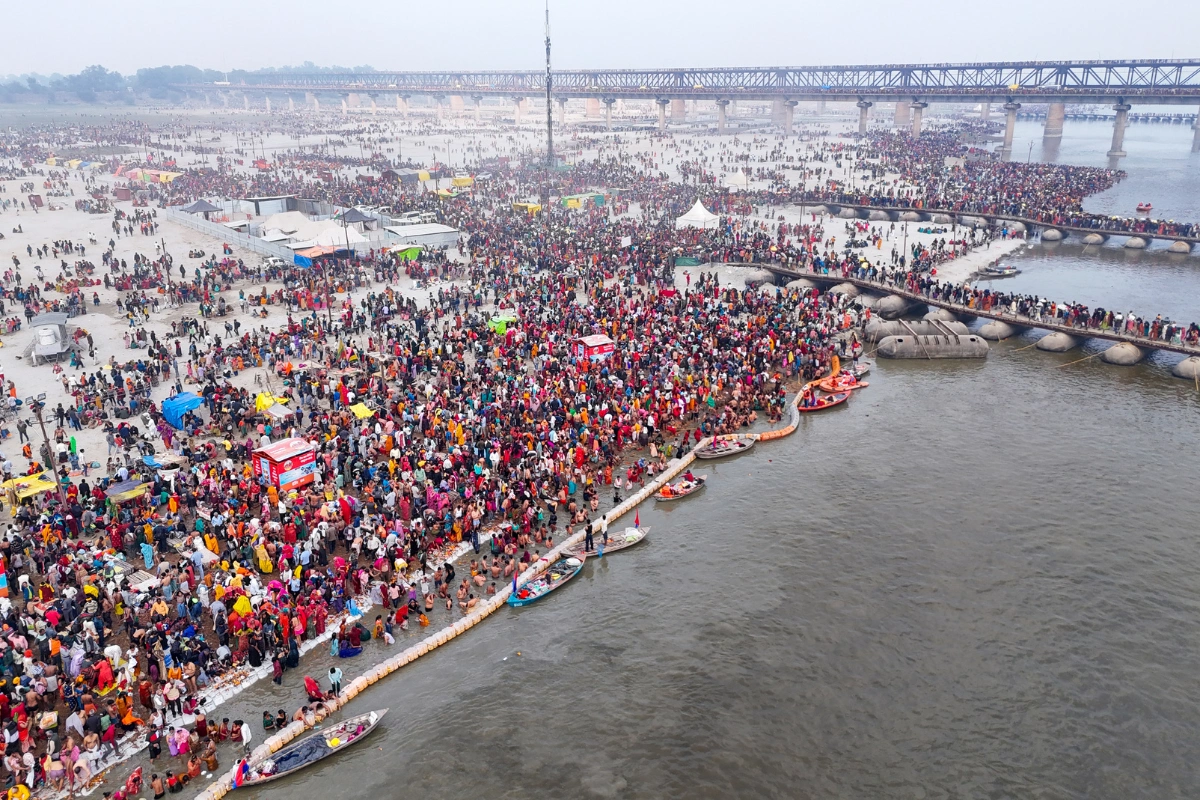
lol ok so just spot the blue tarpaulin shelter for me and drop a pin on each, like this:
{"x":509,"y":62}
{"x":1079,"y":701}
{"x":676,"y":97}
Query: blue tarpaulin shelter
{"x":173,"y":408}
{"x":301,"y":261}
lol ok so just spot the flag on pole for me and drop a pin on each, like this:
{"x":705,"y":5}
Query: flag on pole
{"x":637,"y":519}
{"x":239,"y":774}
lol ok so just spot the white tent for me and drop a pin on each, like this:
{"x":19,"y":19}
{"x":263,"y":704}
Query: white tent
{"x":335,"y":236}
{"x":698,"y":217}
{"x":738,"y":180}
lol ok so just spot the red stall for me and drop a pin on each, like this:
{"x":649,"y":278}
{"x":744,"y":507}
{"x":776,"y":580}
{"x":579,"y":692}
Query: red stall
{"x":596,"y":347}
{"x":287,"y":464}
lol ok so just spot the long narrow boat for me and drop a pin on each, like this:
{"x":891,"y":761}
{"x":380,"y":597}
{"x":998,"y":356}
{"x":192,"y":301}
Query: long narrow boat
{"x":680,"y":490}
{"x":725,"y":447}
{"x":823,"y":403}
{"x":307,"y":751}
{"x":616,"y":541}
{"x":553,"y":578}
{"x":845,"y":382}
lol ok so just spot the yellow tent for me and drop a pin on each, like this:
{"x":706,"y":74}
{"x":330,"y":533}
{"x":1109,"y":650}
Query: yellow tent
{"x":466,"y":181}
{"x":423,"y":175}
{"x":265,"y":400}
{"x":74,"y":162}
{"x":361,"y":411}
{"x":27,"y":486}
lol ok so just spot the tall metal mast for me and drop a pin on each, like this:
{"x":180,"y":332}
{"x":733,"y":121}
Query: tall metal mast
{"x":549,"y":120}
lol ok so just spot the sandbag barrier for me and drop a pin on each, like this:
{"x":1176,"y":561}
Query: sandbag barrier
{"x":222,"y":786}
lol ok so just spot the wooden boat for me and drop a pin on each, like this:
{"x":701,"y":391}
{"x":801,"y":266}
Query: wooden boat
{"x":553,"y":578}
{"x":845,"y":382}
{"x":859,"y":369}
{"x":726,"y":447}
{"x":309,"y":750}
{"x":681,"y":489}
{"x":829,"y":401}
{"x":1000,"y":271}
{"x":618,"y":541}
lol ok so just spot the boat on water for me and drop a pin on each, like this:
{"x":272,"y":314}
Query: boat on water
{"x":1000,"y":271}
{"x":725,"y":447}
{"x":828,"y":401}
{"x":859,"y":369}
{"x":845,"y":382}
{"x":680,"y":489}
{"x":553,"y":578}
{"x":307,"y":751}
{"x":618,"y":541}
{"x":1145,"y":208}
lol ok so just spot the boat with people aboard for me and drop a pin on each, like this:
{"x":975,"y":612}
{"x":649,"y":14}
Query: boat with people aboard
{"x":843,"y":382}
{"x":306,"y":752}
{"x":690,"y":484}
{"x":719,"y":448}
{"x":1145,"y":208}
{"x":616,"y":541}
{"x":999,"y":271}
{"x":819,"y":403}
{"x":553,"y":578}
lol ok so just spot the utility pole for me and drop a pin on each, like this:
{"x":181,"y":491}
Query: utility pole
{"x":549,"y":125}
{"x":36,"y":405}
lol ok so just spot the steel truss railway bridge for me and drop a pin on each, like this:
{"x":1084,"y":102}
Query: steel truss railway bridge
{"x":910,"y":87}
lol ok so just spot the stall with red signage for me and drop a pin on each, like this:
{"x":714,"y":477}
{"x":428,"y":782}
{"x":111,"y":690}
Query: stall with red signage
{"x":287,"y":464}
{"x":596,"y":347}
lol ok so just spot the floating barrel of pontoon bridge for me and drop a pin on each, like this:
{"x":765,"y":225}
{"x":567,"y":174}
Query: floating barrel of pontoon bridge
{"x":928,"y":347}
{"x":878,"y":329}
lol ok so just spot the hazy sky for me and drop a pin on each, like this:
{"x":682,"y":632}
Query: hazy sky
{"x":476,"y":34}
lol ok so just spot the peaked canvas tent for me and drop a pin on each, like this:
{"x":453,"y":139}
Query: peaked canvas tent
{"x":698,"y":217}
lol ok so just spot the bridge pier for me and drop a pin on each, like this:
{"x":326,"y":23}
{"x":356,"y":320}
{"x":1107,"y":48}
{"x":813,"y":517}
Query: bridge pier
{"x":662,"y":113}
{"x":722,"y":111}
{"x":562,"y":112}
{"x":789,"y":116}
{"x":1055,"y":116}
{"x":903,"y":113}
{"x":518,"y":109}
{"x":985,"y":111}
{"x":678,"y":110}
{"x":478,"y":100}
{"x":246,"y":102}
{"x":591,"y":108}
{"x":609,"y":102}
{"x":291,"y":103}
{"x":402,"y":104}
{"x":1010,"y":123}
{"x":345,"y":105}
{"x":456,"y":103}
{"x":1196,"y":135}
{"x":918,"y":110}
{"x":374,"y":105}
{"x":777,"y":112}
{"x":1118,"y":140}
{"x":268,"y":104}
{"x":864,"y":112}
{"x":316,"y":104}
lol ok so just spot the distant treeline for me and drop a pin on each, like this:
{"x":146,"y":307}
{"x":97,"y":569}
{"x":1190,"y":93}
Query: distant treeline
{"x":99,"y":85}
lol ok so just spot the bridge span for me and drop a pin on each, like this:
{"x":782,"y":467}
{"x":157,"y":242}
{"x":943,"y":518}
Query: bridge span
{"x":910,"y":87}
{"x":1017,"y":321}
{"x":1051,"y":231}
